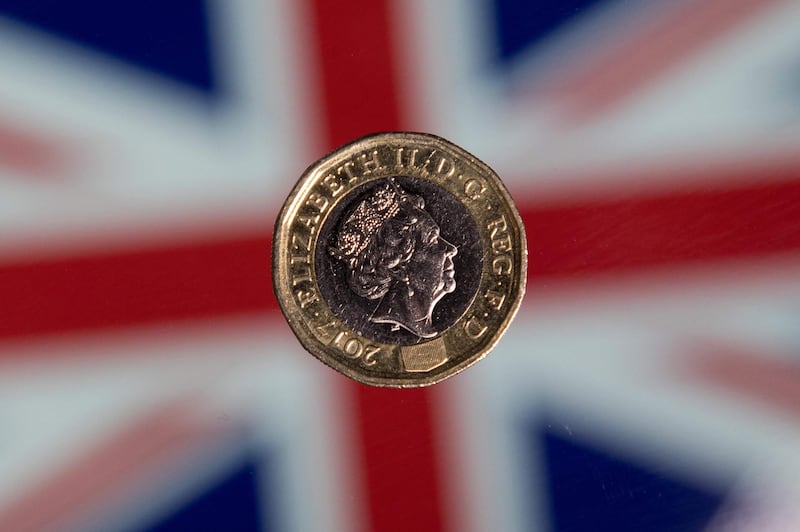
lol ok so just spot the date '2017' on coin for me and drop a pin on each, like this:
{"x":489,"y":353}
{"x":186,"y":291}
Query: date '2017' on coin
{"x":399,"y":259}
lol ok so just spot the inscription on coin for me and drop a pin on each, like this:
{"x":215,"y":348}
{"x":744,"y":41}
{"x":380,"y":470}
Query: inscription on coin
{"x":399,"y":259}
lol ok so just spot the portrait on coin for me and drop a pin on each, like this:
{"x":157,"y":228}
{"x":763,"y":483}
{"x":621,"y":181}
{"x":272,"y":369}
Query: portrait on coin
{"x":385,"y":259}
{"x":395,"y":255}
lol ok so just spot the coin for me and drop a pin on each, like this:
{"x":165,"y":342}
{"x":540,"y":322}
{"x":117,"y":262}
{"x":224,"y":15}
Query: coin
{"x":399,"y":259}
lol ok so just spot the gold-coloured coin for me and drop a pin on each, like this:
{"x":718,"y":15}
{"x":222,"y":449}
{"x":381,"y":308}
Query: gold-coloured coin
{"x":399,"y":259}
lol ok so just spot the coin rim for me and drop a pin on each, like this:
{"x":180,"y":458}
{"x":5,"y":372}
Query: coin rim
{"x":293,"y":314}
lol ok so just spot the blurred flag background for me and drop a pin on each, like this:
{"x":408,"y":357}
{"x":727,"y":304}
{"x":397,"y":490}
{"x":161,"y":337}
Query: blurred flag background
{"x":651,"y":381}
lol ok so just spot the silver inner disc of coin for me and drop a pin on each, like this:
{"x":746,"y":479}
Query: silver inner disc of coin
{"x":399,"y":260}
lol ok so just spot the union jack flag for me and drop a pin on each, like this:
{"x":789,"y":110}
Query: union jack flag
{"x":650,"y":383}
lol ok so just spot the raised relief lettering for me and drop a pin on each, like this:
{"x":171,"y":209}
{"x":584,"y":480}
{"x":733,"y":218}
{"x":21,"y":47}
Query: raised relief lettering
{"x":502,"y":265}
{"x":407,"y":159}
{"x":445,"y":167}
{"x":371,"y":164}
{"x":300,"y":259}
{"x":427,"y":162}
{"x":301,"y":242}
{"x":354,"y":348}
{"x":370,"y":354}
{"x":473,"y":188}
{"x":309,"y":221}
{"x":347,"y":169}
{"x":333,"y":184}
{"x":411,"y":158}
{"x":304,"y":275}
{"x":497,"y":227}
{"x":501,"y":246}
{"x":326,"y":330}
{"x":474,"y":328}
{"x":317,"y":201}
{"x":306,"y":297}
{"x":301,"y":270}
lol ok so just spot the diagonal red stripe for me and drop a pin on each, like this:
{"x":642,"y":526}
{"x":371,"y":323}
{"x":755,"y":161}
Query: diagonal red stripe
{"x":653,"y":51}
{"x":750,"y":375}
{"x":83,"y":485}
{"x":398,"y":457}
{"x":26,"y":152}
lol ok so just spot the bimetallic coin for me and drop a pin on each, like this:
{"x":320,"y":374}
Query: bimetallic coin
{"x":399,"y":259}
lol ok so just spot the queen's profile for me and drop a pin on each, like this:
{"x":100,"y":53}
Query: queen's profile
{"x":395,"y":255}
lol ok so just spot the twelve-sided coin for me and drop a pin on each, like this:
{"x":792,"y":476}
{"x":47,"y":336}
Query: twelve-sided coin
{"x":399,"y":259}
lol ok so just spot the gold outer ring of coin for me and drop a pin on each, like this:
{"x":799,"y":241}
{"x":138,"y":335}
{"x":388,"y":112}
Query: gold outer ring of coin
{"x":319,"y":205}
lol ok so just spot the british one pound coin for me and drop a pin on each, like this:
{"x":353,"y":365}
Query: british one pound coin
{"x":399,"y":259}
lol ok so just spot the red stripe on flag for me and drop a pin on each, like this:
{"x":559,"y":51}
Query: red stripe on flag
{"x":653,"y":51}
{"x":112,"y":290}
{"x":763,"y":379}
{"x":106,"y":470}
{"x":400,"y":467}
{"x":400,"y":459}
{"x":566,"y":241}
{"x":357,"y":68}
{"x":682,"y":227}
{"x":26,"y":152}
